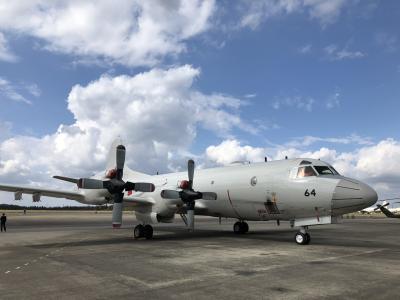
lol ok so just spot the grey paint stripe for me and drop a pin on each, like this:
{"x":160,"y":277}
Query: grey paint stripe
{"x":350,"y":188}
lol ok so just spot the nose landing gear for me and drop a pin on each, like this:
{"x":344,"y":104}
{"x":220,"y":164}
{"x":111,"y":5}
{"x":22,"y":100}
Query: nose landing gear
{"x":302,"y":237}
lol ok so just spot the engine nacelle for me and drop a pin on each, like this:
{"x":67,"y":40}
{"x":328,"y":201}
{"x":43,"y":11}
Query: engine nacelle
{"x":153,"y":218}
{"x":147,"y":218}
{"x":18,"y":195}
{"x":36,"y":197}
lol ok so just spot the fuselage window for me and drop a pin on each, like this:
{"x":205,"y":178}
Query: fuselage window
{"x":305,"y":172}
{"x":323,"y":170}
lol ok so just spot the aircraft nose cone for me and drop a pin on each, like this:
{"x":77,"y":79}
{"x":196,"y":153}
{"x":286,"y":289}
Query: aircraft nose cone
{"x":352,"y":195}
{"x":368,"y":194}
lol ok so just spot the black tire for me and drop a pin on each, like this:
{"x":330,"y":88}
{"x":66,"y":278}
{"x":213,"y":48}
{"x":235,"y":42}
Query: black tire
{"x":237,"y":227}
{"x":308,"y":238}
{"x":301,"y":238}
{"x":138,"y":231}
{"x":148,"y":232}
{"x":245,"y":227}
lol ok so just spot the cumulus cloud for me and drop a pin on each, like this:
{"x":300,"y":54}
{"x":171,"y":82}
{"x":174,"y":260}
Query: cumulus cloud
{"x":5,"y":52}
{"x":377,"y":163}
{"x":156,"y":113}
{"x":257,"y":11}
{"x":134,"y":33}
{"x":231,"y":150}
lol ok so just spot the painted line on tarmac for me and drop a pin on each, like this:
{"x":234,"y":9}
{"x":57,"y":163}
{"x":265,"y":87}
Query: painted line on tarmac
{"x":17,"y":268}
{"x":6,"y":272}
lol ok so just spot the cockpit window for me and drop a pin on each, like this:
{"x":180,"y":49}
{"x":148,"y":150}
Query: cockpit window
{"x":305,"y":172}
{"x":324,"y":170}
{"x":334,"y":170}
{"x":305,"y":162}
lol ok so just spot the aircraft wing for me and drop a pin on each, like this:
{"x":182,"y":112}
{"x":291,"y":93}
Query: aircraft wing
{"x":135,"y":200}
{"x":37,"y":192}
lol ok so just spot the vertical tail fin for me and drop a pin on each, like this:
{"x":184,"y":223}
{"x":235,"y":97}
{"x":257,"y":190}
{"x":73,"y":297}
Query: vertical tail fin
{"x":111,"y":162}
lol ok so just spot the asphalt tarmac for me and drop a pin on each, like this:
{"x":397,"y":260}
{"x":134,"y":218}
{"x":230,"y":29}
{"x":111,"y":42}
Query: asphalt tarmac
{"x":77,"y":255}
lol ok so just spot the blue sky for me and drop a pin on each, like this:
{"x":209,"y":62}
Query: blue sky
{"x":317,"y":78}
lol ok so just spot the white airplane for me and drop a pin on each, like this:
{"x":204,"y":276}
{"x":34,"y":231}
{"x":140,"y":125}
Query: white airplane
{"x":305,"y":192}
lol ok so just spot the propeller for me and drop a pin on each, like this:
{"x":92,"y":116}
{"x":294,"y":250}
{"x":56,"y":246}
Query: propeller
{"x":378,"y":206}
{"x":116,"y":186}
{"x":385,"y":203}
{"x":188,"y":195}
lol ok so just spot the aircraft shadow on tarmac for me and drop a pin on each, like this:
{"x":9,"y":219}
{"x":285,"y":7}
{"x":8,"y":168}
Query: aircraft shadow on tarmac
{"x":326,"y":237}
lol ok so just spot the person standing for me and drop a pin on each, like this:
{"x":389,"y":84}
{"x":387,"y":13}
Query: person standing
{"x":3,"y":220}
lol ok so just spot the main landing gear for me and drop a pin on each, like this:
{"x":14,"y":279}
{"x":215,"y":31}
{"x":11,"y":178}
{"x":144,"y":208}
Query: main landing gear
{"x":145,"y":231}
{"x":240,"y":227}
{"x":302,"y":237}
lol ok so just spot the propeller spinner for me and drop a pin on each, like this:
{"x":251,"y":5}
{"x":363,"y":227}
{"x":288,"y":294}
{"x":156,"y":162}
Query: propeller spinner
{"x":188,"y":195}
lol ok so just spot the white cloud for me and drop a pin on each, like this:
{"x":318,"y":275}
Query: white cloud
{"x":231,"y":150}
{"x":5,"y":52}
{"x":305,"y":49}
{"x":306,"y":141}
{"x":16,"y":91}
{"x":334,"y":53}
{"x":33,"y":89}
{"x":257,"y":11}
{"x":296,"y":102}
{"x":333,"y":101}
{"x":10,"y":91}
{"x":376,"y":164}
{"x":156,"y":113}
{"x":134,"y":33}
{"x":5,"y":130}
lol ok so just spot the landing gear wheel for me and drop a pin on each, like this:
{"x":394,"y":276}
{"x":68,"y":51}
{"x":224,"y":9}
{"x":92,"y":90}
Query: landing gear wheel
{"x":138,"y":231}
{"x":240,"y":227}
{"x":237,"y":227}
{"x":308,"y":238}
{"x":245,"y":227}
{"x":148,"y":232}
{"x":302,"y":238}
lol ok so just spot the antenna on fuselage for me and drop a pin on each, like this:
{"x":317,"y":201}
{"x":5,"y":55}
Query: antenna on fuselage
{"x":265,"y":159}
{"x":286,"y":157}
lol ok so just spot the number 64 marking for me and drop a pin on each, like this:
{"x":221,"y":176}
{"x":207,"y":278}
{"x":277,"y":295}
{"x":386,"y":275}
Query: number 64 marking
{"x":307,"y":193}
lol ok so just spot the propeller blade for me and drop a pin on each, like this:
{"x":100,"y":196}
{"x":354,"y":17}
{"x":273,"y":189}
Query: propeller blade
{"x":139,"y":186}
{"x":190,"y":172}
{"x":209,"y":196}
{"x":170,"y":194}
{"x":69,"y":179}
{"x":120,"y":161}
{"x":190,"y":214}
{"x":117,"y":210}
{"x":190,"y":219}
{"x":89,"y":183}
{"x":120,"y":157}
